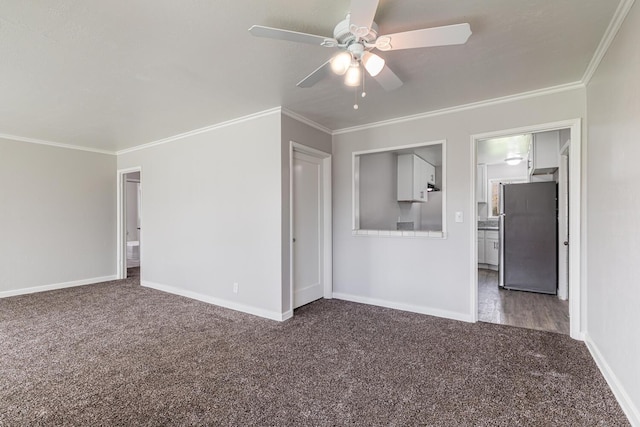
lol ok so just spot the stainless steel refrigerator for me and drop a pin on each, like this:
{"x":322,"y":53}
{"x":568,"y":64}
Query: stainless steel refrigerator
{"x":529,"y":237}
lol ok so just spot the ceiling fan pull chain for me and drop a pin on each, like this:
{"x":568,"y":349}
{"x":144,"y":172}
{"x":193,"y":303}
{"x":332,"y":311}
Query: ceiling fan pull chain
{"x":355,"y":92}
{"x":363,"y":76}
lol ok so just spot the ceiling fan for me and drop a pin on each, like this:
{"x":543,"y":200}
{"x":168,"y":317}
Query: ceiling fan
{"x":356,"y":37}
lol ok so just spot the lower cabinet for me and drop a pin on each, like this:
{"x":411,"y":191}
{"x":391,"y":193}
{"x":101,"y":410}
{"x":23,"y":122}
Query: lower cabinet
{"x":480,"y":246}
{"x":488,"y":249}
{"x":491,"y":248}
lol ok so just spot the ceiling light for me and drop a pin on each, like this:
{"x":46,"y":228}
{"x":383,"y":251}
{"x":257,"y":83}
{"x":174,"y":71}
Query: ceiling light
{"x":340,"y":63}
{"x":513,"y":159}
{"x":352,"y":78}
{"x":373,"y":63}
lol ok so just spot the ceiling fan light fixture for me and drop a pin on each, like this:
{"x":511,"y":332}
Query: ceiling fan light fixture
{"x":340,"y":63}
{"x":513,"y":159}
{"x":373,"y":63}
{"x":353,"y":76}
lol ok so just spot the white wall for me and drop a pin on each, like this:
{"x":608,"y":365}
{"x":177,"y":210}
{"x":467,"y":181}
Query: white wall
{"x":233,"y":223}
{"x":421,"y":274}
{"x":57,"y":210}
{"x":211,"y":215}
{"x":378,"y":205}
{"x":613,"y":205}
{"x":293,"y":130}
{"x":431,"y":212}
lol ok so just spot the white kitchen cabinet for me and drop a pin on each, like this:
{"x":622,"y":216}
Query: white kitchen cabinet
{"x":544,"y":154}
{"x":481,"y":247}
{"x":481,"y":183}
{"x":431,"y":173}
{"x":491,"y":248}
{"x":413,"y":178}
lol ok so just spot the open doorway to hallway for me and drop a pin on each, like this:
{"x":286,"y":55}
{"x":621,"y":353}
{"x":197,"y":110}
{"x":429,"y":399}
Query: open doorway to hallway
{"x":132,"y":221}
{"x":522,"y":196}
{"x":129,"y":223}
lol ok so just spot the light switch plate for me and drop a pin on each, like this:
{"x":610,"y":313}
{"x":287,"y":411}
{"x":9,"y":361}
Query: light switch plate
{"x":459,"y":217}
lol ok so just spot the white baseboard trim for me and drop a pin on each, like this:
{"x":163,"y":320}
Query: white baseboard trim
{"x":53,"y":287}
{"x":272,"y":315}
{"x":627,"y":405}
{"x":405,"y":307}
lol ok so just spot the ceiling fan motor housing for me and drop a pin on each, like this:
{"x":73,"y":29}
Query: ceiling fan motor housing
{"x":343,"y":34}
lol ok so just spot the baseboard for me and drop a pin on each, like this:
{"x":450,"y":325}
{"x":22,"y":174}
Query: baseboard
{"x":267,"y":314}
{"x":630,"y":410}
{"x":405,"y":307}
{"x":488,"y":267}
{"x":53,"y":287}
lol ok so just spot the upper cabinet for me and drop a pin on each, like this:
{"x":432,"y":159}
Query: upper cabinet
{"x":431,"y":173}
{"x":544,"y":154}
{"x":481,"y":184}
{"x":414,"y":177}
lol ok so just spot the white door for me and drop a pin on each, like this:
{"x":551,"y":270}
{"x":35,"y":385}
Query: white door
{"x":307,"y":229}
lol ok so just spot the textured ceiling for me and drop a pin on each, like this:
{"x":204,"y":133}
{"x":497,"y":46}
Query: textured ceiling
{"x":119,"y":73}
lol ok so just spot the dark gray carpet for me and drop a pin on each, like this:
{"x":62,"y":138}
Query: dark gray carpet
{"x":120,"y":354}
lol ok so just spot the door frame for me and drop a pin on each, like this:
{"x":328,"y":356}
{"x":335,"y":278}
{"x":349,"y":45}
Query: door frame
{"x":577,"y":212}
{"x":327,"y":243}
{"x":563,"y":229}
{"x":121,"y":222}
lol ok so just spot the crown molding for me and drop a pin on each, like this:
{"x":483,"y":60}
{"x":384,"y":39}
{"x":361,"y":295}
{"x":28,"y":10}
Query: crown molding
{"x":200,"y":130}
{"x":465,"y":107}
{"x":614,"y":26}
{"x":54,"y":144}
{"x":306,"y":121}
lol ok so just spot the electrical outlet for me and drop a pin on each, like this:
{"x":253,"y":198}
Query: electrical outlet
{"x":235,"y":287}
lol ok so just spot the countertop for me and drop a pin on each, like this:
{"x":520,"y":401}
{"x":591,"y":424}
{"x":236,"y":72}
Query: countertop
{"x":488,"y":224}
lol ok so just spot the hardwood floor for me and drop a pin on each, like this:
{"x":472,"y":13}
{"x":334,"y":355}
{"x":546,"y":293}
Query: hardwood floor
{"x":518,"y":308}
{"x":133,"y":272}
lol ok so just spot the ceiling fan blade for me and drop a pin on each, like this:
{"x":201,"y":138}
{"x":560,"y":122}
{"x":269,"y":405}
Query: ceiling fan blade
{"x":428,"y":37}
{"x":292,"y":36}
{"x":388,"y":79}
{"x":362,"y":13}
{"x":319,"y":73}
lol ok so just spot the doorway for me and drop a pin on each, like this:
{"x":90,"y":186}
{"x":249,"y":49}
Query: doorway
{"x":129,"y":223}
{"x":484,"y":293}
{"x":310,"y":228}
{"x":563,"y":224}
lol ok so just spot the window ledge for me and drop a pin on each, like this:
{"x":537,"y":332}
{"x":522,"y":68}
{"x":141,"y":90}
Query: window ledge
{"x":401,"y":233}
